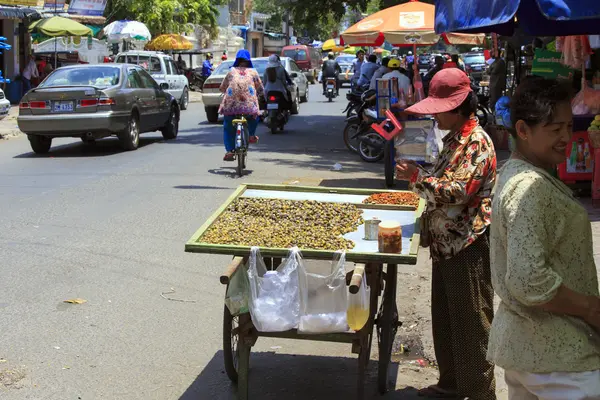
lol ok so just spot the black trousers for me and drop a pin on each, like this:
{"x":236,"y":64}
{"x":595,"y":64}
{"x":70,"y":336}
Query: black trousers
{"x":337,"y":84}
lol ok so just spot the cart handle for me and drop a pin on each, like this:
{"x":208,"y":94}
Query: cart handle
{"x":231,"y":268}
{"x":357,"y":277}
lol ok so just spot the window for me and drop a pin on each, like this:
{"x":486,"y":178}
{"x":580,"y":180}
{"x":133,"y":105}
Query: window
{"x":147,"y":81}
{"x":174,"y":68}
{"x":295,"y":54}
{"x":260,"y":66}
{"x":133,"y":79}
{"x":474,"y":59}
{"x":155,"y":65}
{"x":97,"y":76}
{"x":294,"y":67}
{"x":169,"y":69}
{"x":224,"y":68}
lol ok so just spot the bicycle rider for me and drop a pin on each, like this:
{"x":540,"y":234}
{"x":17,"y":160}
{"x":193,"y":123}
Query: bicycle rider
{"x":241,"y":89}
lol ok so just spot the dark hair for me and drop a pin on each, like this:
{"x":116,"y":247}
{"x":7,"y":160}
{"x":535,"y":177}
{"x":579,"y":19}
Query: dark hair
{"x":439,"y":60}
{"x":454,"y":58}
{"x":373,"y":58}
{"x":468,"y":106}
{"x":272,"y":74}
{"x":385,"y":61}
{"x":330,"y":56}
{"x":535,"y":100}
{"x":360,"y":51}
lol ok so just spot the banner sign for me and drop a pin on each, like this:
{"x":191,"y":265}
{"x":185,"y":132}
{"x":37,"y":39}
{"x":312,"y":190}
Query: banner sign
{"x":547,"y":64}
{"x":54,"y":4}
{"x":87,"y":7}
{"x":27,"y":3}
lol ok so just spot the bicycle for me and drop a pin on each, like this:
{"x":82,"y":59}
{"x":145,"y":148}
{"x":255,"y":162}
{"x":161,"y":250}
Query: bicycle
{"x":241,"y":143}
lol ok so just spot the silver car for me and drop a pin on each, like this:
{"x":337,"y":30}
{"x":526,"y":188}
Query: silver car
{"x":97,"y":101}
{"x":211,"y":95}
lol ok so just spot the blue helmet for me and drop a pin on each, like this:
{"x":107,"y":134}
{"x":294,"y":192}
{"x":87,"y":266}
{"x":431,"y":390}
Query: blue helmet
{"x":242,"y":54}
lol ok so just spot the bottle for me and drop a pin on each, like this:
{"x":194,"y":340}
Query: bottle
{"x":588,"y":157}
{"x":390,"y":237}
{"x":580,"y":158}
{"x":573,"y":156}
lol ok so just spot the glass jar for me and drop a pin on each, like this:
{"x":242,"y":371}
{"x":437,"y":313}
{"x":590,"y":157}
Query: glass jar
{"x":390,"y":237}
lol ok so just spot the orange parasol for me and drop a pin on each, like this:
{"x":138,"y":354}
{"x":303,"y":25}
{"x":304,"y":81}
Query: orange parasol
{"x":409,"y":24}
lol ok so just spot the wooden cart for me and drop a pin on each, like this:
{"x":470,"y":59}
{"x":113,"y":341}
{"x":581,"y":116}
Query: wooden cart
{"x":239,"y":334}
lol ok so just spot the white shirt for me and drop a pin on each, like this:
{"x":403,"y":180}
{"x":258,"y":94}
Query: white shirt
{"x":31,"y":71}
{"x":403,"y":81}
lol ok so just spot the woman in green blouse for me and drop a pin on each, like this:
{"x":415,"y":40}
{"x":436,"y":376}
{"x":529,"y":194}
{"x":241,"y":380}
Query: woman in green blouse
{"x":546,"y":333}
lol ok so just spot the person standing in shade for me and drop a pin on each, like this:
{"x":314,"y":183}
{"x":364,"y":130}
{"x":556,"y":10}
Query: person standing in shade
{"x":497,"y":71}
{"x":381,"y":71}
{"x":458,"y":192}
{"x":356,"y":66}
{"x":546,"y":334}
{"x":30,"y":71}
{"x":367,"y":70}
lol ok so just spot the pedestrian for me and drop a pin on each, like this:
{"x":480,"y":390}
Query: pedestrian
{"x":181,"y":64}
{"x":546,"y":334}
{"x":207,"y":66}
{"x":397,"y":72}
{"x":224,"y":56}
{"x":458,"y":193}
{"x":438,"y":66}
{"x":30,"y":71}
{"x":381,"y":71}
{"x":497,"y":71}
{"x":367,"y":70}
{"x":241,"y":88}
{"x":356,"y":66}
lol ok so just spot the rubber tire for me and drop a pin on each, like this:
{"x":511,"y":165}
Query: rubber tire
{"x":273,"y":129}
{"x":40,"y":144}
{"x":185,"y":99}
{"x":304,"y":99}
{"x":364,"y":157}
{"x":212,"y":114}
{"x":230,"y":366}
{"x":347,"y":133}
{"x":171,"y":130}
{"x":388,"y":158}
{"x":125,"y":137}
{"x":241,"y":164}
{"x":386,"y":337}
{"x":88,"y":141}
{"x":296,"y":105}
{"x":330,"y":99}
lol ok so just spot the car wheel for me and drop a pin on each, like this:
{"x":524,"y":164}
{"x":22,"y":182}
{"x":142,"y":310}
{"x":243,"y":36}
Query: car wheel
{"x":185,"y":99}
{"x":296,"y":104}
{"x":40,"y":144}
{"x":88,"y":140}
{"x":212,"y":114}
{"x":304,"y":98}
{"x":171,"y":130}
{"x":130,"y":137}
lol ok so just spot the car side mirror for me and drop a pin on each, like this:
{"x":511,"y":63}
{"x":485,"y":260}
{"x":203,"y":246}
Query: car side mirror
{"x":294,"y":75}
{"x":164,"y":86}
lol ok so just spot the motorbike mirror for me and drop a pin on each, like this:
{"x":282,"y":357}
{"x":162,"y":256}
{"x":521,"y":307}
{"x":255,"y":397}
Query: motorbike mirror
{"x":294,"y":75}
{"x":164,"y":86}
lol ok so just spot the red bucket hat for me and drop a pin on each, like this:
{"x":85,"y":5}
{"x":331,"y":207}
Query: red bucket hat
{"x":447,"y":90}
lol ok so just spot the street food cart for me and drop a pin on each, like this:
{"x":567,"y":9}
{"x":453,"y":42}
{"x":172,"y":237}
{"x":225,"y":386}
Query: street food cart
{"x":239,"y":332}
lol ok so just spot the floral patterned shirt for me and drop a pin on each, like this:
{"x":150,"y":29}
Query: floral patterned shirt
{"x":458,"y":190}
{"x":241,"y":88}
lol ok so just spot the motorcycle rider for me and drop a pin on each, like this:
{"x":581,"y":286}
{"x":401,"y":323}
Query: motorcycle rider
{"x":331,"y":69}
{"x":277,"y":79}
{"x":403,"y":82}
{"x":367,"y":70}
{"x":380,"y":72}
{"x":207,"y":66}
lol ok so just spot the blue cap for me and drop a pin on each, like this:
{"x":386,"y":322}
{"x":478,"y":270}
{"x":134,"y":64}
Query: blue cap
{"x":242,"y":54}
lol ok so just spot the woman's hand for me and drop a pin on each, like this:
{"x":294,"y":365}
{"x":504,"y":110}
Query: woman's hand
{"x":405,"y":169}
{"x":593,"y":315}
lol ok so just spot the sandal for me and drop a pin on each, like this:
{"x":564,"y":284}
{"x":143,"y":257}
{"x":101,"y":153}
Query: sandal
{"x":229,"y":156}
{"x":436,"y":392}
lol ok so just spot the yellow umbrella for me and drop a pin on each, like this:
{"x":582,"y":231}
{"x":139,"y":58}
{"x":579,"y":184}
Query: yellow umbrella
{"x":169,"y":42}
{"x":333,"y":45}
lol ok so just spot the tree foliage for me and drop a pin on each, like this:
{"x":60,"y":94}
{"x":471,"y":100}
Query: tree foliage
{"x":166,"y":16}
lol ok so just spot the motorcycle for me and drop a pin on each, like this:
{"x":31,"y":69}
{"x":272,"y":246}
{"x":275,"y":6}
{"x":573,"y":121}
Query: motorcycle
{"x":371,"y":147}
{"x":359,"y":121}
{"x":330,"y":86}
{"x":277,"y":114}
{"x":195,"y":79}
{"x":354,"y":98}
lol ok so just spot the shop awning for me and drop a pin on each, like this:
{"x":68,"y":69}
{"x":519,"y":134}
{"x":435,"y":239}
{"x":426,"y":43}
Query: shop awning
{"x":18,"y":12}
{"x":534,"y":17}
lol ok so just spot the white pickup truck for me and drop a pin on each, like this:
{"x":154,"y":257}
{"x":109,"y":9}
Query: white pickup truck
{"x":163,"y":69}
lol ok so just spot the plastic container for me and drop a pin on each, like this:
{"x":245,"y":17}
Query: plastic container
{"x":390,"y":237}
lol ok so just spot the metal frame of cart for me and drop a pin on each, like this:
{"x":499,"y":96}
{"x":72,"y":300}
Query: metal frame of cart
{"x":239,"y":334}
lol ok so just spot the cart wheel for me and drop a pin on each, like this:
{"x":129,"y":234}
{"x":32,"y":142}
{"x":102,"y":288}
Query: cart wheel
{"x":230,"y":344}
{"x":387,"y":326}
{"x":388,"y":157}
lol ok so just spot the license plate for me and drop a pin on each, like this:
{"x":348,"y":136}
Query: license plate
{"x":272,"y":106}
{"x":63,"y":106}
{"x":330,"y":86}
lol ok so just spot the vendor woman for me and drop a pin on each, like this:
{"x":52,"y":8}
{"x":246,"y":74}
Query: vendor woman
{"x":458,"y":198}
{"x":546,"y":334}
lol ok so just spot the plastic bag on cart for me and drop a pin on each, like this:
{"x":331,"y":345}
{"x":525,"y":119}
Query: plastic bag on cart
{"x":238,"y":291}
{"x":359,"y":306}
{"x":587,"y":101}
{"x":324,"y":298}
{"x":274,"y":304}
{"x":416,"y":141}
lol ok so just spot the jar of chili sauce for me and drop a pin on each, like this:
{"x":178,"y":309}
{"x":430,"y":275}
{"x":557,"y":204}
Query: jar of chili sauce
{"x":390,"y":237}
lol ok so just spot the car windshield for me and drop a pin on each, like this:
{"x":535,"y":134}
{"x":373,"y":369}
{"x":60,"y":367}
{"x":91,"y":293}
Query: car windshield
{"x":260,"y":66}
{"x":150,"y":64}
{"x":424,"y":59}
{"x":223,"y":69}
{"x":101,"y":76}
{"x":344,"y":60}
{"x":474,"y":59}
{"x":295,"y":54}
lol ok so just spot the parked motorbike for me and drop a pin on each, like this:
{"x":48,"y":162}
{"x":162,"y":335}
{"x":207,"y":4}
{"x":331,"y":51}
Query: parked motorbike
{"x":278,"y":114}
{"x":330,"y":89}
{"x":354,"y":98}
{"x":359,"y":122}
{"x":371,"y":145}
{"x":195,"y":79}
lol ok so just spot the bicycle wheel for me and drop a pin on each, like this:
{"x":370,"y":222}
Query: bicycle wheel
{"x":240,"y":163}
{"x":230,"y":345}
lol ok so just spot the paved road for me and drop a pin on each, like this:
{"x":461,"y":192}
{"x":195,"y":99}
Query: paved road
{"x":108,"y":226}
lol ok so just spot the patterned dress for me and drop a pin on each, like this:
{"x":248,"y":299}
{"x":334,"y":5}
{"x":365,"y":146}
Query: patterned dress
{"x":241,"y":88}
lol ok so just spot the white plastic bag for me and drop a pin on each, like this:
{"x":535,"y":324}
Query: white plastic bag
{"x":359,"y":306}
{"x":324,"y":299}
{"x":412,"y":143}
{"x":238,"y":292}
{"x":274,"y":304}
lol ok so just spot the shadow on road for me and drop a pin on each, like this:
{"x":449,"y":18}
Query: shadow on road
{"x":229,"y":172}
{"x":293,"y":377}
{"x":200,"y":187}
{"x":100,"y":148}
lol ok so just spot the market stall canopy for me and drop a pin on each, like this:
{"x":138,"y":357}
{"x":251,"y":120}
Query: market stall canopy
{"x":118,"y":31}
{"x":406,"y":24}
{"x":333,"y":45}
{"x":59,"y":26}
{"x":534,"y":17}
{"x":351,"y":50}
{"x":169,"y":42}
